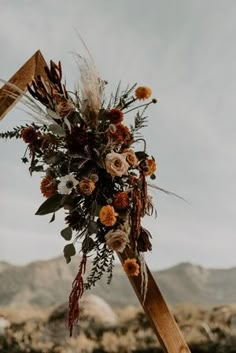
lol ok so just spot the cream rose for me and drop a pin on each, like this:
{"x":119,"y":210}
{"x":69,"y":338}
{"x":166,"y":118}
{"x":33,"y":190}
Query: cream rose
{"x":116,"y":164}
{"x":130,"y":156}
{"x":117,"y":240}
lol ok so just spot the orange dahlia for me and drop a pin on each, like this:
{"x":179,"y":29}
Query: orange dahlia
{"x":121,"y":200}
{"x":108,"y":215}
{"x":151,"y":167}
{"x":48,"y":186}
{"x":143,"y":92}
{"x":131,"y":267}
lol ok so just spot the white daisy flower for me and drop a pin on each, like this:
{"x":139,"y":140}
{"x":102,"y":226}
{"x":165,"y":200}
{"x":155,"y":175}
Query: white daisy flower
{"x":66,"y":184}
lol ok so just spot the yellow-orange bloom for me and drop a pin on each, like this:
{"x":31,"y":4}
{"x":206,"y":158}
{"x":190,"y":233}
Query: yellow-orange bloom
{"x":131,"y":267}
{"x":143,"y":92}
{"x":48,"y":186}
{"x":151,"y":165}
{"x":108,"y":216}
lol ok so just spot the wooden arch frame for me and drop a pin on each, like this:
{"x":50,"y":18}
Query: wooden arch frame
{"x":155,"y":307}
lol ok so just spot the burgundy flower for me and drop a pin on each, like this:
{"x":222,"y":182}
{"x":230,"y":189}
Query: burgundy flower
{"x":74,"y":220}
{"x":29,"y":134}
{"x":115,"y":116}
{"x":76,"y":139}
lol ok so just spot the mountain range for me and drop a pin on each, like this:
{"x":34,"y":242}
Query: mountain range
{"x":48,"y":283}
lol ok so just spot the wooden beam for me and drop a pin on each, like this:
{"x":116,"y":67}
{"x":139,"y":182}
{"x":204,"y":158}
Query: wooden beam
{"x":33,"y":67}
{"x":158,"y":313}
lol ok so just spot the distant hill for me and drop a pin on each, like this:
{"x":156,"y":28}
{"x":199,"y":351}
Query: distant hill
{"x":47,"y":283}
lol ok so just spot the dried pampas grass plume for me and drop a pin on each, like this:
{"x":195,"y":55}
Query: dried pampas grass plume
{"x":91,"y":88}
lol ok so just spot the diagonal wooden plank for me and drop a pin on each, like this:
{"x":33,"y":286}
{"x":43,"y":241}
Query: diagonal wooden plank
{"x":155,"y":307}
{"x":158,"y":313}
{"x":33,"y":67}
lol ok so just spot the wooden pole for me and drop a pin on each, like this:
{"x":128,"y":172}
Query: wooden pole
{"x":157,"y":311}
{"x":33,"y":67}
{"x":155,"y":307}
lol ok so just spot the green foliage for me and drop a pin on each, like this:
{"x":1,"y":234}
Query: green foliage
{"x":15,"y":133}
{"x":52,"y":204}
{"x":102,"y":262}
{"x":69,"y":251}
{"x":66,"y":233}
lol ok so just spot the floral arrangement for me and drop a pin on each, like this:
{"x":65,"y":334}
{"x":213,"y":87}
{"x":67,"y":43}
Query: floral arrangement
{"x":90,"y":167}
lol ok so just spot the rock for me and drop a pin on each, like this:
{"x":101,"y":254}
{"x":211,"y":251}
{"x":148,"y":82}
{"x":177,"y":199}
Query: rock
{"x":4,"y":323}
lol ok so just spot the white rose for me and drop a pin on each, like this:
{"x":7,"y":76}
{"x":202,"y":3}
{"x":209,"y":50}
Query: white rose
{"x":116,"y":164}
{"x":130,"y":156}
{"x":117,"y":240}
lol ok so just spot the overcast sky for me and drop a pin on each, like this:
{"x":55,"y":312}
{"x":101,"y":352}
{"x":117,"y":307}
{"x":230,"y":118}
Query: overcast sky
{"x":185,"y":51}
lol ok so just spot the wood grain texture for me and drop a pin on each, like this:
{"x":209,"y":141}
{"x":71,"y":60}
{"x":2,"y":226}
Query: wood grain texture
{"x":158,"y":313}
{"x":155,"y":307}
{"x":33,"y":67}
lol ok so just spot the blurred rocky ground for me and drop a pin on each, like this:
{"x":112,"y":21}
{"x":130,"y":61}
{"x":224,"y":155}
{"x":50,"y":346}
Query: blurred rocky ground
{"x":103,"y":329}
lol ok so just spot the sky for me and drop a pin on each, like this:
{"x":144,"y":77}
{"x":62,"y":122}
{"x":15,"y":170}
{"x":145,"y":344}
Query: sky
{"x":185,"y":51}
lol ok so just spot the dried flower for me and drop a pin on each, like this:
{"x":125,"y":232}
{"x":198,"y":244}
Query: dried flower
{"x":130,"y":157}
{"x":131,"y":267}
{"x":116,"y":164}
{"x":115,"y":116}
{"x":108,"y":215}
{"x":122,"y":135}
{"x":94,"y":177}
{"x":151,"y":167}
{"x":86,"y":186}
{"x":65,"y":108}
{"x":117,"y":239}
{"x":67,"y":183}
{"x":143,"y":92}
{"x":121,"y":200}
{"x":29,"y":134}
{"x":112,"y":128}
{"x":48,"y":186}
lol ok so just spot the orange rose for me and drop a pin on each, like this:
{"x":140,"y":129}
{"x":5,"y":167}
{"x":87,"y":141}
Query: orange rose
{"x":86,"y":186}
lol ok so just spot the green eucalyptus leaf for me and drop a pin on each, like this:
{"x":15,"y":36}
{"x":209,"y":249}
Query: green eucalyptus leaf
{"x":69,"y":250}
{"x":57,"y":129}
{"x":52,"y":204}
{"x":88,"y":245}
{"x":92,"y":227}
{"x":66,"y":233}
{"x":141,"y":155}
{"x":53,"y":218}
